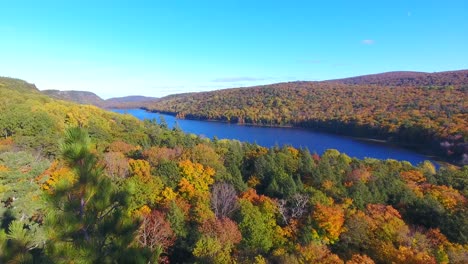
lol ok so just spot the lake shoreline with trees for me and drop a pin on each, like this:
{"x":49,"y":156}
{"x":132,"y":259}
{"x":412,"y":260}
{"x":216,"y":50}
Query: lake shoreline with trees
{"x":428,"y":152}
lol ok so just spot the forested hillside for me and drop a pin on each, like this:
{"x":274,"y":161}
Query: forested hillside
{"x":79,"y":184}
{"x":406,"y":78}
{"x":89,"y":98}
{"x":81,"y":97}
{"x":429,"y":118}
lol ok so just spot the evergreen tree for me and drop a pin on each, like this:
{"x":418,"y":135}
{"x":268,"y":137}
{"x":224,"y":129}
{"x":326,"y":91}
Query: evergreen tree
{"x":89,"y":223}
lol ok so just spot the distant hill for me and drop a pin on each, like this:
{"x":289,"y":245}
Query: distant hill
{"x":419,"y":110}
{"x":17,"y":84}
{"x":133,"y":101}
{"x":35,"y":121}
{"x":131,"y":98}
{"x":408,"y":78}
{"x":80,"y":97}
{"x":84,"y":97}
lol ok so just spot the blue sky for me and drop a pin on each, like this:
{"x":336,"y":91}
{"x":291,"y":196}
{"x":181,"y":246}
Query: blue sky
{"x":156,"y":48}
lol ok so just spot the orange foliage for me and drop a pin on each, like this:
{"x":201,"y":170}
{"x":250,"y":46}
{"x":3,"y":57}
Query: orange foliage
{"x":6,"y":144}
{"x":417,"y":115}
{"x":360,"y":259}
{"x":447,"y":196}
{"x":225,"y":230}
{"x":6,"y":141}
{"x":142,"y":211}
{"x":411,"y":256}
{"x":55,"y":174}
{"x":316,"y":253}
{"x":386,"y":219}
{"x":252,"y":196}
{"x":413,"y":176}
{"x":290,"y":231}
{"x":3,"y":168}
{"x":330,"y":220}
{"x":187,"y":188}
{"x":436,"y":238}
{"x":156,"y":154}
{"x":120,"y":146}
{"x":196,"y":180}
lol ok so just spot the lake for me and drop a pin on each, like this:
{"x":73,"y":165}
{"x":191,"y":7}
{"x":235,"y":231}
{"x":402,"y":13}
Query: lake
{"x":270,"y":136}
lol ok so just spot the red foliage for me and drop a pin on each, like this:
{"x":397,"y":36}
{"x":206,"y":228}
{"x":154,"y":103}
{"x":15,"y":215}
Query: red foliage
{"x":224,"y":229}
{"x":155,"y":231}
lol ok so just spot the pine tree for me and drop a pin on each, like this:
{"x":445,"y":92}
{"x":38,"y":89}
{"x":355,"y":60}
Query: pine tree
{"x":89,"y":223}
{"x":21,"y":232}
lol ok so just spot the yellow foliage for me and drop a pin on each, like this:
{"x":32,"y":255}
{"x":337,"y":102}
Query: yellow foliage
{"x":168,"y":195}
{"x":141,"y":169}
{"x":56,"y":174}
{"x":253,"y":182}
{"x":142,"y":211}
{"x":413,"y":176}
{"x":347,"y":202}
{"x":294,"y":152}
{"x":411,"y":256}
{"x":447,"y":196}
{"x":317,"y":253}
{"x":330,"y":219}
{"x":3,"y":168}
{"x":256,"y":153}
{"x":196,"y":179}
{"x":360,"y":259}
{"x":259,"y":259}
{"x":202,"y":212}
{"x":186,"y":188}
{"x":327,"y":185}
{"x":279,"y":252}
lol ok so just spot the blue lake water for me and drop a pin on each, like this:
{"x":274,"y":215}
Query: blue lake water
{"x":270,"y":136}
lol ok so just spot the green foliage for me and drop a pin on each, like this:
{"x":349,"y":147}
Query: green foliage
{"x":409,"y":114}
{"x":256,"y":227}
{"x":210,"y":250}
{"x":20,"y":193}
{"x":91,"y":204}
{"x":176,"y":217}
{"x":88,"y":220}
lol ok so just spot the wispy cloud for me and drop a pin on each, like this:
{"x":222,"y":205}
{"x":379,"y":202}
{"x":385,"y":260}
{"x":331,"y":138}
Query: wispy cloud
{"x":368,"y":42}
{"x":238,"y":79}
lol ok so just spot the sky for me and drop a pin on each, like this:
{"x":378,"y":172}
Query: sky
{"x":161,"y":47}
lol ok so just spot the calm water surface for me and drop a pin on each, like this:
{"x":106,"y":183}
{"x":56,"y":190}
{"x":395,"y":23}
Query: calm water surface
{"x":270,"y":136}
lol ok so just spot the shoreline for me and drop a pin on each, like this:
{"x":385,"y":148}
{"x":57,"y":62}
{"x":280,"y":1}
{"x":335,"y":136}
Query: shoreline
{"x":441,"y":161}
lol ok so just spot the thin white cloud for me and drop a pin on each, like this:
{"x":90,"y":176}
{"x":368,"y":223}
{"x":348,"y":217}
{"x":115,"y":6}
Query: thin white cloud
{"x":368,"y":42}
{"x":238,"y":79}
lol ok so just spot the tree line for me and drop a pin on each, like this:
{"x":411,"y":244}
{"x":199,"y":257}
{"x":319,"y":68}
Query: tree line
{"x":107,"y":188}
{"x":432,"y":119}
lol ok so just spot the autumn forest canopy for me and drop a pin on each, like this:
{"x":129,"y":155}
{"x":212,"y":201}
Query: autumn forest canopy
{"x":80,"y":184}
{"x":426,"y":112}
